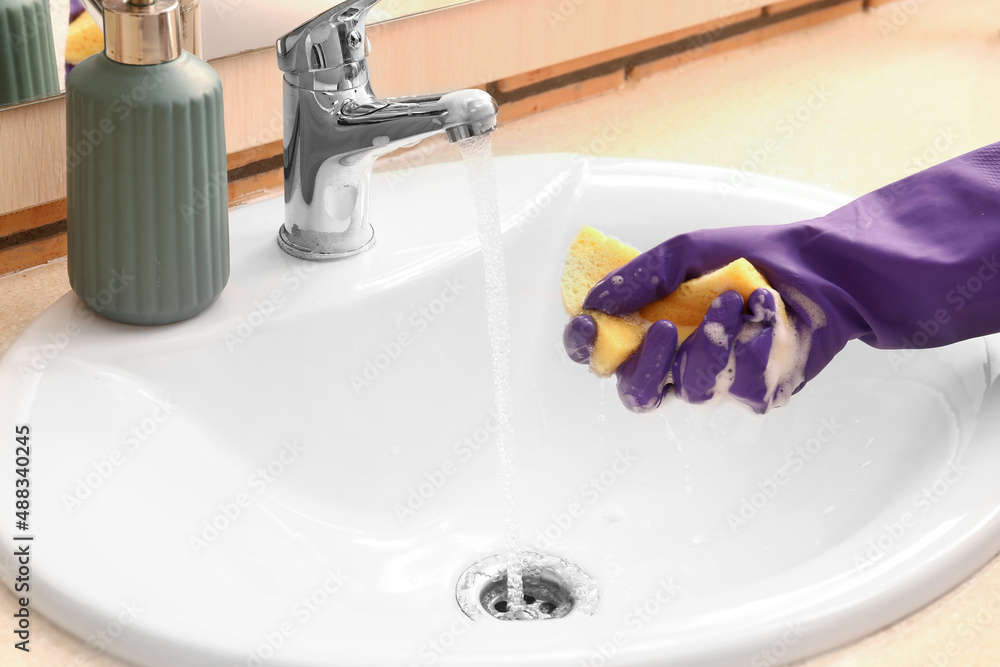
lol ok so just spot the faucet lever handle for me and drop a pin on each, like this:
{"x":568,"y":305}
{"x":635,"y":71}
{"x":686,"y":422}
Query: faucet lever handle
{"x":328,"y":51}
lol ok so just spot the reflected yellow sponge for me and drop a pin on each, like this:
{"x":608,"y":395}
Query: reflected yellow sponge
{"x":593,"y":255}
{"x":83,"y":40}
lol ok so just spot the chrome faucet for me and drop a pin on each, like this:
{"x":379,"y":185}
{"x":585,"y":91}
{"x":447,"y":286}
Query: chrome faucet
{"x":335,"y":129}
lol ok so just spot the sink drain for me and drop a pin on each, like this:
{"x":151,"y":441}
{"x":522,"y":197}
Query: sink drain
{"x":544,"y":599}
{"x":553,"y":588}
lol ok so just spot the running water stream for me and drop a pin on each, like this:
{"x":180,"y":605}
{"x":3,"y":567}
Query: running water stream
{"x":478,"y":155}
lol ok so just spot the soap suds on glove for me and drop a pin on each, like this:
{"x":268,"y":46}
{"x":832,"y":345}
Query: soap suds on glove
{"x":790,"y":346}
{"x":715,"y":332}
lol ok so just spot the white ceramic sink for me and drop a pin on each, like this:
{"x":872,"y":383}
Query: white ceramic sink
{"x":299,"y":475}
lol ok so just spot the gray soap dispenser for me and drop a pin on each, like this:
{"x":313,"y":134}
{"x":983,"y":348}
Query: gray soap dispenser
{"x":147,"y":192}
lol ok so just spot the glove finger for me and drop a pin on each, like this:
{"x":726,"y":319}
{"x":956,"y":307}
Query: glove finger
{"x":749,"y":384}
{"x":642,"y":378}
{"x":705,"y":353}
{"x":763,"y":306}
{"x":647,"y":278}
{"x":752,"y":350}
{"x":578,"y":338}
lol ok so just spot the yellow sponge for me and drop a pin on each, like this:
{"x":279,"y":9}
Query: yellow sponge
{"x":593,"y":255}
{"x":687,"y":305}
{"x":83,"y":40}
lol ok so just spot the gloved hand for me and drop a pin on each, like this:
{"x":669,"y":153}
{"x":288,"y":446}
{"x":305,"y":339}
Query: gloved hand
{"x":911,"y":265}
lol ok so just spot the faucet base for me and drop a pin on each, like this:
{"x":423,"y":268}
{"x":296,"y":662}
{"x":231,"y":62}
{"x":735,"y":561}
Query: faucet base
{"x":316,"y":250}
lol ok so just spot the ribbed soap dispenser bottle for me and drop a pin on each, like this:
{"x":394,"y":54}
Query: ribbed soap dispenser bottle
{"x":147,"y":193}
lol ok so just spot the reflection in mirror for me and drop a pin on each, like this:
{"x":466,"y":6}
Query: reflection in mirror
{"x":235,"y":26}
{"x":41,"y":39}
{"x":28,"y":66}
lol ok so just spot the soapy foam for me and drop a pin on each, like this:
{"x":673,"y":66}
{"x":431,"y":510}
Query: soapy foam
{"x":681,"y":392}
{"x":715,"y":332}
{"x":790,"y":347}
{"x":802,"y":303}
{"x":724,"y":380}
{"x":787,"y":358}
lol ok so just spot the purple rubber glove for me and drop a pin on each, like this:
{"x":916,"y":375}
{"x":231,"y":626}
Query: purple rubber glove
{"x":911,"y":265}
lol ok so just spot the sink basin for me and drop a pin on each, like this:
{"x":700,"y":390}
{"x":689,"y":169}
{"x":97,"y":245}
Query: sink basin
{"x":300,"y":475}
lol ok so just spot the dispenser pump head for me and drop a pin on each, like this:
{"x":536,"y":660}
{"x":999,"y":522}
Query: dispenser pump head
{"x":142,"y":32}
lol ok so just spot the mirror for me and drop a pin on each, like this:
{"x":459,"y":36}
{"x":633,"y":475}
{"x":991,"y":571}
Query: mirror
{"x":31,"y":68}
{"x":235,"y":26}
{"x":45,"y":38}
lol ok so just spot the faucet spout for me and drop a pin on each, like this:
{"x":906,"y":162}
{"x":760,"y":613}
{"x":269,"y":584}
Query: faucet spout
{"x":403,"y":121}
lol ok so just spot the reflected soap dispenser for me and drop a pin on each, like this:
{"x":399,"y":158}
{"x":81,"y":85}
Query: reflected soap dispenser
{"x":27,"y":52}
{"x":147,"y":191}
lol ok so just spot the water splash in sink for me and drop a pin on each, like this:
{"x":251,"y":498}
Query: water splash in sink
{"x":478,"y":155}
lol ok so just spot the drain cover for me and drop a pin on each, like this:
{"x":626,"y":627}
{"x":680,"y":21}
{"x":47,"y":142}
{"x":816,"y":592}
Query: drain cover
{"x":553,"y":588}
{"x":544,"y":599}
